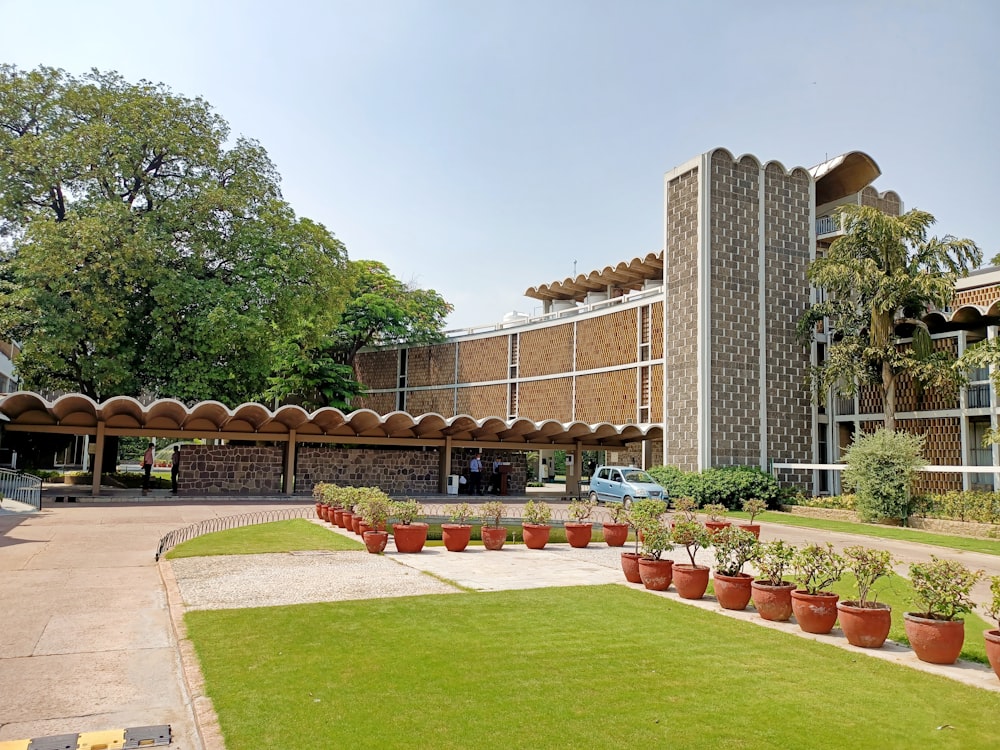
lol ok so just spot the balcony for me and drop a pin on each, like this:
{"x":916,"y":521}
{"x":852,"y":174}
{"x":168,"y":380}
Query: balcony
{"x":828,"y":227}
{"x":978,"y":396}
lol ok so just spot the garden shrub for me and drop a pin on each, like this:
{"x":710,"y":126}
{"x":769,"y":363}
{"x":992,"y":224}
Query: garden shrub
{"x":726,"y":485}
{"x":977,"y":506}
{"x":881,"y":468}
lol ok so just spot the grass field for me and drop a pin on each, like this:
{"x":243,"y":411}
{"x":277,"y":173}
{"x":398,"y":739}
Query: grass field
{"x":281,"y":536}
{"x":602,"y":666}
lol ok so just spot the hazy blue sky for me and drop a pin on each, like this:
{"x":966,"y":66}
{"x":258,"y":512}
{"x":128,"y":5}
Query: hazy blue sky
{"x":480,"y":147}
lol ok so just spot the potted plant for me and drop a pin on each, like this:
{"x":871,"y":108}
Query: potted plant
{"x":655,"y":572}
{"x":817,"y":568}
{"x":734,"y":548}
{"x":579,"y":531}
{"x":410,"y":537}
{"x":493,"y":533}
{"x":317,"y":495}
{"x":456,"y":534}
{"x":691,"y":580}
{"x":716,"y":513}
{"x":640,"y":514}
{"x":616,"y":530}
{"x":866,"y":622}
{"x":771,"y":594}
{"x":993,"y":636}
{"x":942,"y":589}
{"x":375,"y":508}
{"x":685,"y":509}
{"x":536,"y":526}
{"x":754,"y":506}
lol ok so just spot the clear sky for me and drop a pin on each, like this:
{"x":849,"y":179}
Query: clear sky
{"x":480,"y":147}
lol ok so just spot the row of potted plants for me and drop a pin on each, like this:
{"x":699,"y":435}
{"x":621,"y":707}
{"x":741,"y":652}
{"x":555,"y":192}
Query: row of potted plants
{"x":942,"y":588}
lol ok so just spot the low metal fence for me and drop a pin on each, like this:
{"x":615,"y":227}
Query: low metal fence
{"x":223,"y":523}
{"x":21,"y":487}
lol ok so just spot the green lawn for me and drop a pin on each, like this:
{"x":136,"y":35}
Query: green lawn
{"x":280,"y":536}
{"x":602,"y":666}
{"x":969,"y":544}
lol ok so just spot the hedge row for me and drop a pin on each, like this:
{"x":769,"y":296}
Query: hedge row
{"x":728,"y":485}
{"x":979,"y":507}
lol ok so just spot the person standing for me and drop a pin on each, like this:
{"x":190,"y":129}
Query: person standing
{"x":476,"y":475}
{"x":175,"y":468}
{"x":147,"y":467}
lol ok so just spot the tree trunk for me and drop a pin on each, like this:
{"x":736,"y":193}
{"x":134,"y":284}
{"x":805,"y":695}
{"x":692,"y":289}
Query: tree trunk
{"x":889,"y":396}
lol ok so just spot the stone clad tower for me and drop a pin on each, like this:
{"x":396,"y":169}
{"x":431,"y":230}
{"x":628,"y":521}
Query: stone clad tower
{"x":739,"y":235}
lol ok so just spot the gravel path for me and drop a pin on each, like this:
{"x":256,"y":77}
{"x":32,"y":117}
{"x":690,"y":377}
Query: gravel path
{"x":238,"y":581}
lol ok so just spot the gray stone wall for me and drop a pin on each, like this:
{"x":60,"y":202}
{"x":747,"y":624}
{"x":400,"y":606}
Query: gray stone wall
{"x":735,"y":311}
{"x":394,"y":470}
{"x":789,"y":405}
{"x":230,"y":470}
{"x":680,"y":273}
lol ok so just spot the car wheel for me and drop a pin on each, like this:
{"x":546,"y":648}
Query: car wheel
{"x":594,"y":498}
{"x":627,"y":502}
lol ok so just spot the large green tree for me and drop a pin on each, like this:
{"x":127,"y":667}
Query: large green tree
{"x":380,"y":310}
{"x":142,"y":251}
{"x":879,"y":278}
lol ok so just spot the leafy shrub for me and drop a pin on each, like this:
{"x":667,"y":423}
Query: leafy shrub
{"x":725,"y":485}
{"x":981,"y":507}
{"x":881,"y":468}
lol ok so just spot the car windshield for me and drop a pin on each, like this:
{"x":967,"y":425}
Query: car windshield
{"x":638,"y":476}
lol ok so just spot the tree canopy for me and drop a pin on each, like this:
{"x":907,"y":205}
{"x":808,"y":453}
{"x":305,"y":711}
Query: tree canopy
{"x":142,"y":252}
{"x":879,"y":276}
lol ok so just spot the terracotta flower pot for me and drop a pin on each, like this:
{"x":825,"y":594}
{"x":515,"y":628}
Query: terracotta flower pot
{"x":331,"y":515}
{"x":456,"y":536}
{"x":993,"y":649}
{"x":656,"y":575}
{"x":772,"y":602}
{"x":866,"y":627}
{"x":934,"y":641}
{"x":579,"y":534}
{"x":753,"y":528}
{"x":732,"y":592}
{"x":346,"y":520}
{"x":536,"y":535}
{"x":630,"y":567}
{"x":615,"y":534}
{"x":691,"y":581}
{"x":409,"y":538}
{"x":815,"y":613}
{"x":319,"y":510}
{"x":363,"y":527}
{"x":338,"y":516}
{"x":494,"y":537}
{"x":356,"y":524}
{"x":324,"y":512}
{"x":714,"y":527}
{"x":375,"y":541}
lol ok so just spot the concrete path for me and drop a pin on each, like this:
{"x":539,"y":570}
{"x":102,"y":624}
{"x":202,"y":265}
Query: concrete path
{"x":88,"y":640}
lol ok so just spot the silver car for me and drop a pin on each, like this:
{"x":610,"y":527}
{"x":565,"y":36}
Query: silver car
{"x":622,"y":484}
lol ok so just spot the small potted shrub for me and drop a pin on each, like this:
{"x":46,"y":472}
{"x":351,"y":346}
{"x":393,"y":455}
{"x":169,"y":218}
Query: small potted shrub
{"x":456,"y":534}
{"x":942,"y":589}
{"x":716,"y":513}
{"x":410,"y":537}
{"x":579,"y":531}
{"x":494,"y":534}
{"x":639,"y":515}
{"x":685,"y":509}
{"x":817,"y":568}
{"x":866,"y":622}
{"x":655,"y":572}
{"x":616,"y":530}
{"x":754,"y":506}
{"x":691,"y":580}
{"x":993,"y":636}
{"x":536,"y":526}
{"x":317,"y":495}
{"x":734,"y":548}
{"x":770,"y":592}
{"x":374,"y":506}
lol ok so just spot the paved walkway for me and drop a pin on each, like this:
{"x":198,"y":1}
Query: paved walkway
{"x":88,"y":639}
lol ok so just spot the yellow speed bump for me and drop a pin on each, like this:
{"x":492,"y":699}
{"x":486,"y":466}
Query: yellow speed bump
{"x":14,"y":744}
{"x":112,"y":739}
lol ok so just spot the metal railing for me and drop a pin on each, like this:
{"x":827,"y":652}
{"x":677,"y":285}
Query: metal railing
{"x":21,"y":487}
{"x":208,"y":526}
{"x":827,"y":225}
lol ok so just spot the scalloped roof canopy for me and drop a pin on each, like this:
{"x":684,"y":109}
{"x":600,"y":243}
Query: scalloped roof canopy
{"x":632,"y":274}
{"x":843,"y":175}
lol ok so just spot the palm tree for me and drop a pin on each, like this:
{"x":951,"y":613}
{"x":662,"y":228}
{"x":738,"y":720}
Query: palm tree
{"x":880,"y":276}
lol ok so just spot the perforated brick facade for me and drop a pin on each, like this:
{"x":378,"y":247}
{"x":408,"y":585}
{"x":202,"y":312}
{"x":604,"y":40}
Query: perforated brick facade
{"x":606,"y":397}
{"x":483,"y":359}
{"x":607,"y":340}
{"x":546,"y":351}
{"x":546,"y":399}
{"x":430,"y":365}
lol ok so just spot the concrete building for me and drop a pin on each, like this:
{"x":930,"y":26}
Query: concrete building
{"x":699,"y":337}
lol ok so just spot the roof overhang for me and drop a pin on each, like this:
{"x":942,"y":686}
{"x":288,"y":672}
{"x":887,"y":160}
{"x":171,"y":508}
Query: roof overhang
{"x":843,"y":175}
{"x":629,"y":275}
{"x":76,"y":414}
